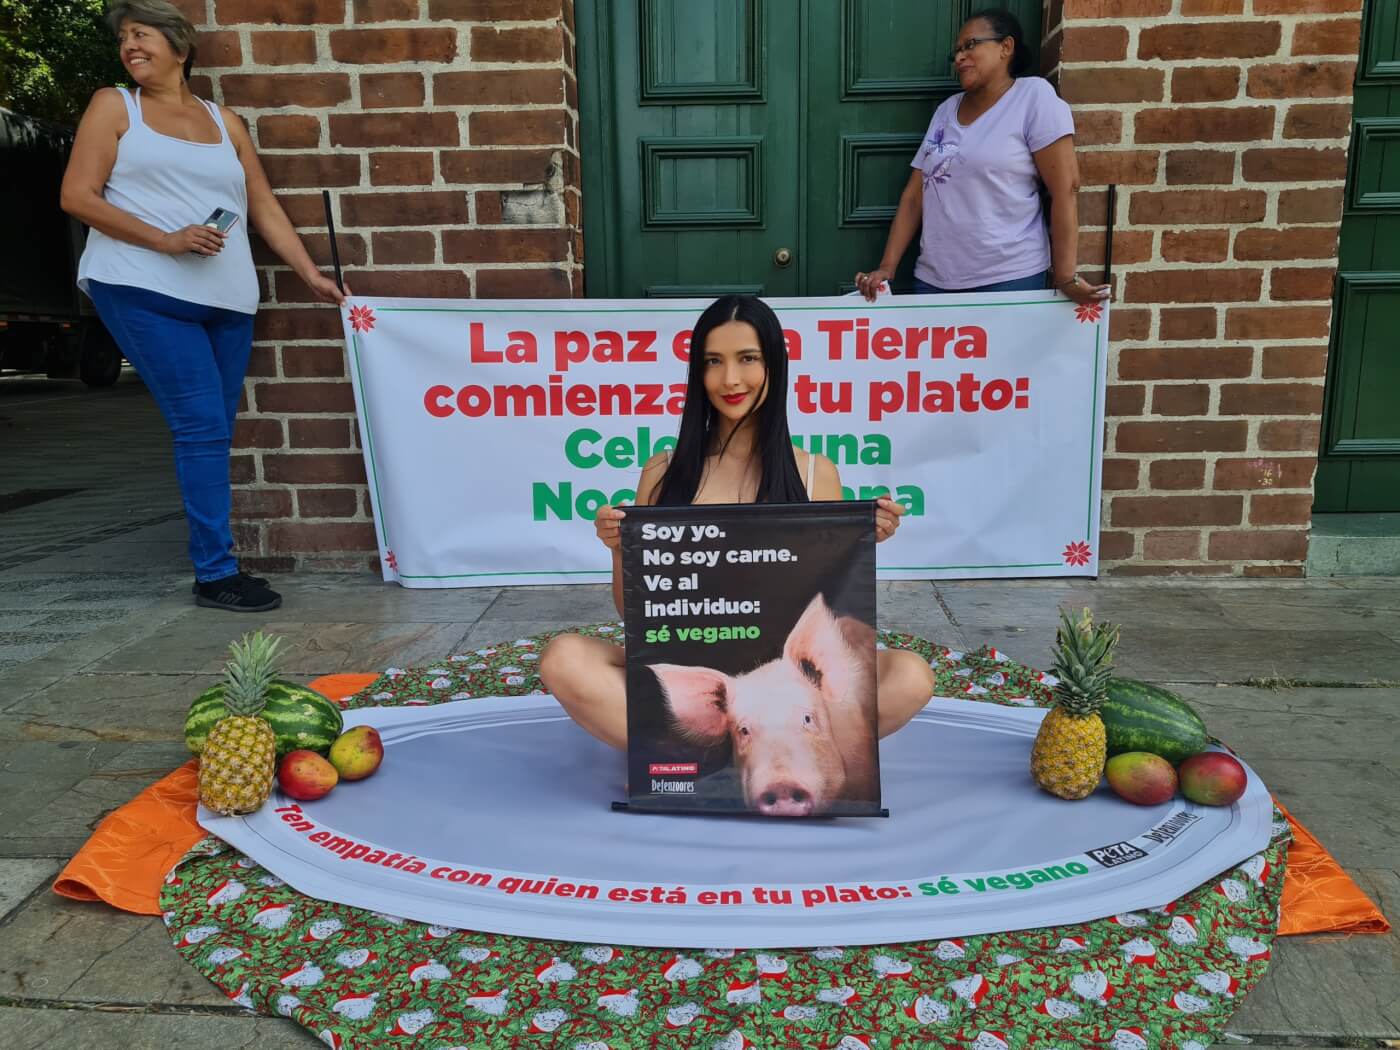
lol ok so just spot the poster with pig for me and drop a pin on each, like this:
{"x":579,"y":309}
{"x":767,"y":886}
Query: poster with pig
{"x":750,"y":635}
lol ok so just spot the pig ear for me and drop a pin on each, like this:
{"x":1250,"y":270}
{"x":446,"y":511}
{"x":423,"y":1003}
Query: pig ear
{"x":817,"y":647}
{"x":698,"y":697}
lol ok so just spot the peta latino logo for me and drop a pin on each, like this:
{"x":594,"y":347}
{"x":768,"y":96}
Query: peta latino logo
{"x":1118,"y":853}
{"x":674,"y":769}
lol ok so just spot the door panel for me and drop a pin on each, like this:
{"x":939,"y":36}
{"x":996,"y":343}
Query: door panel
{"x":717,"y":132}
{"x":694,"y":192}
{"x":1359,"y":462}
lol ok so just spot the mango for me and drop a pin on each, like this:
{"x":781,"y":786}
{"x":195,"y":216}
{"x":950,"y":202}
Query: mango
{"x":1141,"y":777}
{"x":357,"y":752}
{"x":1213,"y":778}
{"x":306,"y":776}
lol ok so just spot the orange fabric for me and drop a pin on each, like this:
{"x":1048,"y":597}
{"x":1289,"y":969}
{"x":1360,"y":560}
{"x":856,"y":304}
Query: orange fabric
{"x":134,"y":848}
{"x":1318,"y":896}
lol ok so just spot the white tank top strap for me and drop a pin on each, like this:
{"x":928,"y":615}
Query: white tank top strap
{"x":811,"y":463}
{"x":131,"y":97}
{"x":218,"y":117}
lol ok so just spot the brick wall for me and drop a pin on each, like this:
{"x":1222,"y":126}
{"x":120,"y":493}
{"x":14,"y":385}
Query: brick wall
{"x":1225,"y":125}
{"x":447,"y":130}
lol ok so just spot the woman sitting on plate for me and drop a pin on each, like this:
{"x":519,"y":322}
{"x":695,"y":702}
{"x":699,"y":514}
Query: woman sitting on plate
{"x":733,"y":447}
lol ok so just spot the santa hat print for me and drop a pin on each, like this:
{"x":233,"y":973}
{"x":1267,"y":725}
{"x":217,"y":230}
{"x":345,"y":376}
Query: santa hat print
{"x":954,"y":948}
{"x":556,"y":971}
{"x":1257,"y":868}
{"x":1070,"y":944}
{"x":1247,"y":948}
{"x":600,"y":954}
{"x":620,"y":1001}
{"x":1092,"y":985}
{"x":1218,"y":982}
{"x":226,"y":892}
{"x":303,"y":975}
{"x":1140,"y":951}
{"x":1057,"y":1008}
{"x":321,"y":930}
{"x":272,"y":916}
{"x":1183,"y":930}
{"x":1233,"y":890}
{"x":1188,"y":1003}
{"x":475,"y":954}
{"x":412,"y":1023}
{"x":971,"y":989}
{"x":842,"y":995}
{"x":735,"y":1040}
{"x":547,"y":1021}
{"x":740,"y":991}
{"x":353,"y":957}
{"x":1128,"y":919}
{"x":680,"y":968}
{"x":926,"y":1010}
{"x":356,"y":1007}
{"x":437,"y":933}
{"x":852,"y":1042}
{"x":1129,"y":1039}
{"x":196,"y":934}
{"x":429,"y":970}
{"x":682,"y":1015}
{"x":991,"y":1041}
{"x":331,"y":1039}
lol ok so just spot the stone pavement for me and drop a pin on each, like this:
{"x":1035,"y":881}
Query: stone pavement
{"x":1303,"y":677}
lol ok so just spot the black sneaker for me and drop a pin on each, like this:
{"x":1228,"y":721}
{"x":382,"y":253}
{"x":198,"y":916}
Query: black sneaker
{"x":237,"y":593}
{"x":259,"y":580}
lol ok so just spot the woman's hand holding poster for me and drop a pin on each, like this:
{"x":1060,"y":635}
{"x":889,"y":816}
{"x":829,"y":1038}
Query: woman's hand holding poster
{"x":751,"y":658}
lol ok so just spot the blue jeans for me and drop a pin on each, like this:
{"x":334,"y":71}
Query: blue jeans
{"x":1034,"y":283}
{"x":192,"y":359}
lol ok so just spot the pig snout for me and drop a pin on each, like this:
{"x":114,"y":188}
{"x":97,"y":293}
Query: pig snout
{"x":784,"y":798}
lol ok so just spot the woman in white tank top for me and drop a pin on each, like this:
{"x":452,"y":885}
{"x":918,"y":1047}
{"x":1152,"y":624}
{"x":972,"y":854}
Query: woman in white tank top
{"x":733,"y":447}
{"x":150,"y":166}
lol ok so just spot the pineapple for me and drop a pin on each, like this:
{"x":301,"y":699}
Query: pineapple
{"x":236,"y":766}
{"x":1068,"y":757}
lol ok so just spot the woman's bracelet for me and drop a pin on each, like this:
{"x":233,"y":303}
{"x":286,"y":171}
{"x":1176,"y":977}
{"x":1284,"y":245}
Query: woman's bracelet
{"x":1075,"y":279}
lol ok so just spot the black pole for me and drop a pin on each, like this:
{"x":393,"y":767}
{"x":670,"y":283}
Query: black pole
{"x":335,"y":250}
{"x":1107,"y":243}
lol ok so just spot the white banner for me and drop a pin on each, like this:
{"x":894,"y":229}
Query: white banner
{"x":494,"y":430}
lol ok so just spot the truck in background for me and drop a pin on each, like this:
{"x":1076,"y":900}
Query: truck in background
{"x":46,"y":324}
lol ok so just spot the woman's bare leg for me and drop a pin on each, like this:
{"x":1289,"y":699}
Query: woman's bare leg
{"x":905,"y":683}
{"x":588,"y":678}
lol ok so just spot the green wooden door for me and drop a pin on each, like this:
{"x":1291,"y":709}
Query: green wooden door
{"x":1359,"y":465}
{"x":753,"y":145}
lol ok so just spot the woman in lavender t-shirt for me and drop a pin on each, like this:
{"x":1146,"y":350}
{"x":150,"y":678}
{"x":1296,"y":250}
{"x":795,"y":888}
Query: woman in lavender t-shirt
{"x":975,"y":188}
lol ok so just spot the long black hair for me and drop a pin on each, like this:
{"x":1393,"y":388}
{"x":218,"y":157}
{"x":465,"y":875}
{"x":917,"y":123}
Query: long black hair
{"x":779,"y":481}
{"x":1005,"y":24}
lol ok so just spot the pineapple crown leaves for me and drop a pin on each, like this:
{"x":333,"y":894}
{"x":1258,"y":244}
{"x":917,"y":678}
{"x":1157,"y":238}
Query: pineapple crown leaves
{"x":251,"y":668}
{"x":1083,"y":662}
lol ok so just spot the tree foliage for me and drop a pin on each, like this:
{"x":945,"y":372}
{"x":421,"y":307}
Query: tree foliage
{"x":53,"y":55}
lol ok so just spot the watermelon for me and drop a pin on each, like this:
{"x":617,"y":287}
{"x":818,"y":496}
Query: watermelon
{"x":1141,"y":717}
{"x":301,"y":717}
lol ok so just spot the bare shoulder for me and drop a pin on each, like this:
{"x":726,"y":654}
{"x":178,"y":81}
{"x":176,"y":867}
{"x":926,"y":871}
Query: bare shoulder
{"x":107,"y":106}
{"x":652,"y":472}
{"x":826,"y":480}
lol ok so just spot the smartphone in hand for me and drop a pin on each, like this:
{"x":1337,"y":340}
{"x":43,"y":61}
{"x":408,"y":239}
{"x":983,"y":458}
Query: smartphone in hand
{"x":222,"y":219}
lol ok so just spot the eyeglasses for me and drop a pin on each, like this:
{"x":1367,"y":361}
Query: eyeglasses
{"x":970,"y":43}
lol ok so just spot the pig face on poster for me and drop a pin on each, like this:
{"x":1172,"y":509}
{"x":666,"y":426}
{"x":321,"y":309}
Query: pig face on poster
{"x":802,"y":727}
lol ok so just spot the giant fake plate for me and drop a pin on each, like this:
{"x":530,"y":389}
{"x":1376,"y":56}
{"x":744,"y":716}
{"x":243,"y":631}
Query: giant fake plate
{"x":494,"y":814}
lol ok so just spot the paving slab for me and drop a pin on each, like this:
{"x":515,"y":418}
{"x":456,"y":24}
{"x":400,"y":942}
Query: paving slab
{"x":1013,"y":605}
{"x":577,"y":604}
{"x":367,"y":599}
{"x":20,"y":878}
{"x":55,"y":948}
{"x":88,"y":1029}
{"x":199,"y":644}
{"x":1283,"y":722}
{"x":1351,"y":806}
{"x":106,"y":707}
{"x":1321,"y":987}
{"x":1176,"y":654}
{"x":35,"y":773}
{"x":75,"y":813}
